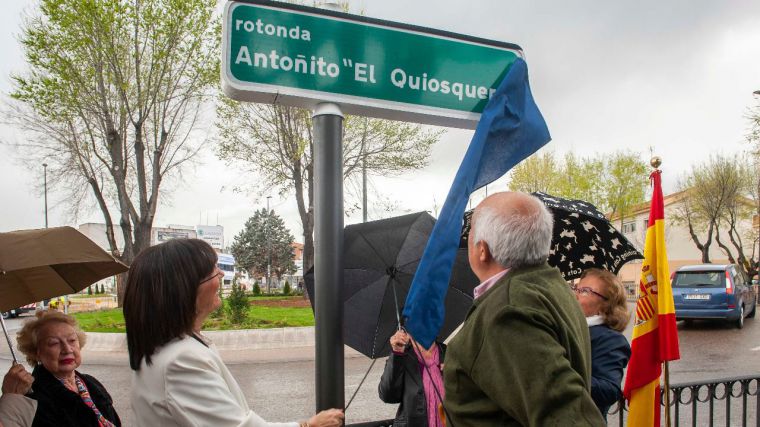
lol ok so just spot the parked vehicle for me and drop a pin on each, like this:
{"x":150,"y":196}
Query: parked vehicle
{"x":713,"y":291}
{"x":18,"y":311}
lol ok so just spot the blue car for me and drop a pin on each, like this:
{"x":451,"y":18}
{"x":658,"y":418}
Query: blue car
{"x":713,"y":291}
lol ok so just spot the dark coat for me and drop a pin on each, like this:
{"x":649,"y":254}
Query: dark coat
{"x":522,"y":357}
{"x":58,"y":406}
{"x":401,"y":382}
{"x":610,"y":352}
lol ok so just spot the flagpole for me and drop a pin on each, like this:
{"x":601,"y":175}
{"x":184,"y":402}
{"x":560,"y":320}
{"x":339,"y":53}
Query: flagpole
{"x":656,"y":161}
{"x":667,"y":393}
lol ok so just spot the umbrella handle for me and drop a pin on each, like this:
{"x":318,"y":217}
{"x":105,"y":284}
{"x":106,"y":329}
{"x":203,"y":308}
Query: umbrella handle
{"x":395,"y":301}
{"x":7,"y":338}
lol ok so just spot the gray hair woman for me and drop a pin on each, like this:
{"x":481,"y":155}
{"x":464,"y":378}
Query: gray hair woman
{"x":52,"y":344}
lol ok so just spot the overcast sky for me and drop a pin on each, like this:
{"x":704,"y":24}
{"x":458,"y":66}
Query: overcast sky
{"x":676,"y":76}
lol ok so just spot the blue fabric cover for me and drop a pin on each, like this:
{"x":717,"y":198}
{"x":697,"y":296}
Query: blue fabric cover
{"x":511,"y":128}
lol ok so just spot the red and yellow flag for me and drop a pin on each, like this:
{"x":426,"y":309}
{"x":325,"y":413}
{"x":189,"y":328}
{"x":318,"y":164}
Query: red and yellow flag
{"x":655,"y":337}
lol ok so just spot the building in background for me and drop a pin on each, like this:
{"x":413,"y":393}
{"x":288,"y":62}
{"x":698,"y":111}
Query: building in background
{"x":226,"y":263}
{"x":680,"y":247}
{"x":297,"y":277}
{"x":212,"y":234}
{"x":97,"y":233}
{"x":164,"y":234}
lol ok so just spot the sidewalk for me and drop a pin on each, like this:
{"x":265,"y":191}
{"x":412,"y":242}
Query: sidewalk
{"x":241,"y":346}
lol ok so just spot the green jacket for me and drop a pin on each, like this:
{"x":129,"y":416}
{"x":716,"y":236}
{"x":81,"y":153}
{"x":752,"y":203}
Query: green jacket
{"x":523,"y":356}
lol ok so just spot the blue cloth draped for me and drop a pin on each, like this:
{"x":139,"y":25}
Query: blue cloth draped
{"x":510,"y":129}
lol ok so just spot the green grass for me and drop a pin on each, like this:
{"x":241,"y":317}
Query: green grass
{"x":265,"y":317}
{"x":86,"y":296}
{"x":259,"y":317}
{"x":101,"y":320}
{"x":272,"y":297}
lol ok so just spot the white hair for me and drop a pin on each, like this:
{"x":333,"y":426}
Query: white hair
{"x":518,"y":239}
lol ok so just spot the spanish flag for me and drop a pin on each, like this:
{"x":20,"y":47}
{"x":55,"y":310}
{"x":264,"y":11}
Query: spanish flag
{"x":655,"y":336}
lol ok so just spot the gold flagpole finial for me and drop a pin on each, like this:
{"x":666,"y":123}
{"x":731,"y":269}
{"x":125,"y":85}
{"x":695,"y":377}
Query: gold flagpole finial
{"x":656,"y":161}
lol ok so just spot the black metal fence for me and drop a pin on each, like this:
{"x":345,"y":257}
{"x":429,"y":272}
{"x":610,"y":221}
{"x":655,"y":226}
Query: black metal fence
{"x":383,"y":423}
{"x":722,"y":402}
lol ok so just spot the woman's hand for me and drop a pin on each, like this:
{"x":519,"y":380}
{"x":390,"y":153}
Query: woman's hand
{"x":399,"y":340}
{"x":17,"y":380}
{"x":327,"y":418}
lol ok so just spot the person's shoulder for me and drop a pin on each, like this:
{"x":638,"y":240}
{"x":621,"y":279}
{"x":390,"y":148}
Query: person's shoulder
{"x":535,"y":283}
{"x":179,"y":350}
{"x":16,"y":409}
{"x":89,"y":379}
{"x":605,"y":331}
{"x":604,"y":335}
{"x":536,"y":274}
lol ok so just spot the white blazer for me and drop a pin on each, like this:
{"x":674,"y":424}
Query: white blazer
{"x":187,"y":384}
{"x":16,"y":410}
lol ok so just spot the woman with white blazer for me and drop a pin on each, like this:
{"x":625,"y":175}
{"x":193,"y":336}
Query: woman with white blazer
{"x":178,"y":377}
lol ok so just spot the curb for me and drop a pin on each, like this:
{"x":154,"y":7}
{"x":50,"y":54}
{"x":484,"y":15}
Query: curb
{"x":244,"y":339}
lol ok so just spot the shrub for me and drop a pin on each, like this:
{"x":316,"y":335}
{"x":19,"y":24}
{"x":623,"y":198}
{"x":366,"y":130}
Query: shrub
{"x":89,"y":290}
{"x":219,"y":312}
{"x":256,"y":289}
{"x":286,"y":289}
{"x":237,"y":304}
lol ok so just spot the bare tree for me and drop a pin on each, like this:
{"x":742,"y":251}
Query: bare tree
{"x":274,"y":143}
{"x":716,"y":201}
{"x":120,"y":93}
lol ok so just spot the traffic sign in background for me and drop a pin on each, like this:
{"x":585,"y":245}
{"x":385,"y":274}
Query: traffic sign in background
{"x":296,"y":55}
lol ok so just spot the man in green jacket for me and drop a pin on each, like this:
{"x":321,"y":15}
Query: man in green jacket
{"x":523,"y":355}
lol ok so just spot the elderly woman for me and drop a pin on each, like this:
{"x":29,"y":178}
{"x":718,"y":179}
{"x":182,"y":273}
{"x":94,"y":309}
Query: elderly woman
{"x":602,"y":299}
{"x":65,"y":397}
{"x":179,"y":378}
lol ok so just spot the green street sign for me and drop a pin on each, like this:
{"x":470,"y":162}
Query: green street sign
{"x":300,"y":56}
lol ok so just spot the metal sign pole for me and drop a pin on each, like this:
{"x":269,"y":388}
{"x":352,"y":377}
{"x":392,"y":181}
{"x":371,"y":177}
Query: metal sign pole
{"x":328,"y":255}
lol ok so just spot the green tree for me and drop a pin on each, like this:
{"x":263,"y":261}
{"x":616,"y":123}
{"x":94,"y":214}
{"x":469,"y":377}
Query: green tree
{"x":111,"y":100}
{"x":286,"y":289}
{"x":624,"y":183}
{"x":583,"y":179}
{"x":539,"y":172}
{"x":274,"y":144}
{"x":256,"y":289}
{"x":611,"y":182}
{"x":237,"y":305}
{"x":264,"y":242}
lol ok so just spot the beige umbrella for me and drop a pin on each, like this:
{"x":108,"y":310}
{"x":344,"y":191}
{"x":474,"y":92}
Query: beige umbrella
{"x":47,"y":263}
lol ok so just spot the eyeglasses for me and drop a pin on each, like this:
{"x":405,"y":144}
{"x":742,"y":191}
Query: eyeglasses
{"x":587,"y":291}
{"x":218,"y":274}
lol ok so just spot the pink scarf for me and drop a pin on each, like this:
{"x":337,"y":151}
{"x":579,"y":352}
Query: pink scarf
{"x":432,"y":379}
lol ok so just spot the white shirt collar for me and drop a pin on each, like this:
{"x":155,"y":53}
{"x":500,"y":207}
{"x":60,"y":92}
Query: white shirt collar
{"x":595,"y":320}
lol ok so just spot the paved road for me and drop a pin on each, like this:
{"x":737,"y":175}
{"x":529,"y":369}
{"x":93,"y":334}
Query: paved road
{"x":279,"y":384}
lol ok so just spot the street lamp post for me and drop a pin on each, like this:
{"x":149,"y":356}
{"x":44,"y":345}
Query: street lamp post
{"x":269,"y":248}
{"x":757,"y":159}
{"x":44,"y":168}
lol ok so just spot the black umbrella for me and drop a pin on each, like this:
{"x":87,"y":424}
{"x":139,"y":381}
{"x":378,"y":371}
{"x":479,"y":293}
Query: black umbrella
{"x":582,"y":238}
{"x":380,"y":259}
